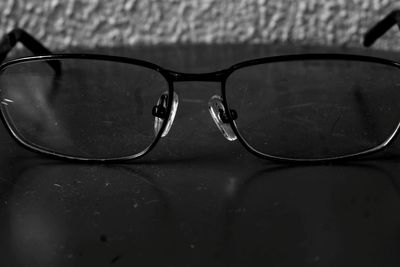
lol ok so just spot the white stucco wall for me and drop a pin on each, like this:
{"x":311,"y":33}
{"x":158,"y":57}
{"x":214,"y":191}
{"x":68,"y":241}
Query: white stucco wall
{"x":60,"y":23}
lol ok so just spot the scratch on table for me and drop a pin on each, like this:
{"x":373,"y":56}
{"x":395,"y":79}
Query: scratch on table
{"x":151,"y":201}
{"x":58,"y":185}
{"x":115,"y":259}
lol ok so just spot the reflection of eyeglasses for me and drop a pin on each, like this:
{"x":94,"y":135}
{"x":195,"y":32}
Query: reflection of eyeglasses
{"x":308,"y":107}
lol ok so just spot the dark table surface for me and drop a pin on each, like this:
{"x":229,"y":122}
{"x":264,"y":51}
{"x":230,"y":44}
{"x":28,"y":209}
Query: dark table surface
{"x":197,"y":199}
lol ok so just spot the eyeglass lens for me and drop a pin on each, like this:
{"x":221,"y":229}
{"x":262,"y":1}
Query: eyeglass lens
{"x":315,"y":109}
{"x":92,"y":109}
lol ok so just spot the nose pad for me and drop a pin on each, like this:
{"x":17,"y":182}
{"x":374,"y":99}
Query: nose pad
{"x":160,"y":113}
{"x":218,"y":113}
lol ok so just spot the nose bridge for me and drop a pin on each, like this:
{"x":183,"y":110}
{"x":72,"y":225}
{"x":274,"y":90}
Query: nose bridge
{"x":217,"y":76}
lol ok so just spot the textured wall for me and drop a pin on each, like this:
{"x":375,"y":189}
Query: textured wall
{"x":61,"y":23}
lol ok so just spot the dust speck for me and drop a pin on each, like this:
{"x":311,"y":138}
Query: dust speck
{"x":103,"y":238}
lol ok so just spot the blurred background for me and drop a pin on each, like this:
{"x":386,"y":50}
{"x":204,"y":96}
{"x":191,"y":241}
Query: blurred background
{"x":91,"y":23}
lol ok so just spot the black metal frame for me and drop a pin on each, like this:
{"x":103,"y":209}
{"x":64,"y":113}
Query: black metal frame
{"x":382,"y":27}
{"x":10,"y":40}
{"x":221,"y":76}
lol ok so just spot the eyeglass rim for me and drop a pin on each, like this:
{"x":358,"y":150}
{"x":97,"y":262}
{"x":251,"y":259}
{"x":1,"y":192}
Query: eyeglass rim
{"x":299,"y":57}
{"x":216,"y":76}
{"x":57,"y":155}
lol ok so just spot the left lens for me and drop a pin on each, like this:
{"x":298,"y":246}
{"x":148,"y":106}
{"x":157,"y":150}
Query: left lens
{"x":316,"y":108}
{"x":92,"y":109}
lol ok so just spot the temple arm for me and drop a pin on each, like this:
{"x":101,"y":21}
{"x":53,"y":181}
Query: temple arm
{"x":382,"y":27}
{"x":9,"y":40}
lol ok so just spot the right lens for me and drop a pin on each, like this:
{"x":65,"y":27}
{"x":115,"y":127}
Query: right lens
{"x":92,"y":109}
{"x":315,"y":108}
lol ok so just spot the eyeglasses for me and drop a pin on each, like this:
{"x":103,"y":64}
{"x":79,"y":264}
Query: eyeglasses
{"x":307,"y":107}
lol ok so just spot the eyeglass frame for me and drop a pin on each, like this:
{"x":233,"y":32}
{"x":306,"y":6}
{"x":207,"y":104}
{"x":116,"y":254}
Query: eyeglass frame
{"x":42,"y":54}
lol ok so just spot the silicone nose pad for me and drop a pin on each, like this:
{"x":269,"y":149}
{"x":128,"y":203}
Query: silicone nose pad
{"x":160,"y":113}
{"x":218,"y":113}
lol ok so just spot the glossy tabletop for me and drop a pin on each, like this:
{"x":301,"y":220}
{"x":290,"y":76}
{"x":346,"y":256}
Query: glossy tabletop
{"x":197,"y":199}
